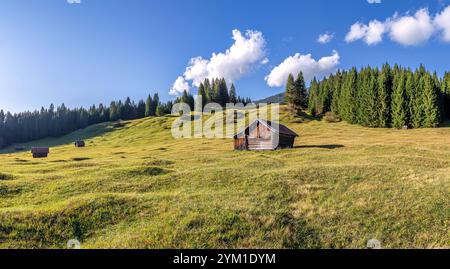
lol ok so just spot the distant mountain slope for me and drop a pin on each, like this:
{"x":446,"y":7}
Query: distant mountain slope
{"x":278,"y":98}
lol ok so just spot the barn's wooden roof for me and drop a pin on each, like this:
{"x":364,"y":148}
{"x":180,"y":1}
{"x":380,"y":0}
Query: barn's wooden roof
{"x":273,"y":126}
{"x":40,"y":150}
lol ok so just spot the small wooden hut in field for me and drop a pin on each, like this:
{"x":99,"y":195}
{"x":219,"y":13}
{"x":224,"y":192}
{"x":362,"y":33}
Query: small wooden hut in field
{"x":262,"y":135}
{"x":80,"y":144}
{"x":40,"y":152}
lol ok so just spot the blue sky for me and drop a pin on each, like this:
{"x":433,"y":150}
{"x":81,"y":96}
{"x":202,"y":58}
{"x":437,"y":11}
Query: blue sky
{"x":100,"y":50}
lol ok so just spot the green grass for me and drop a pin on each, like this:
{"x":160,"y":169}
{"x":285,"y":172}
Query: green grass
{"x":137,"y":187}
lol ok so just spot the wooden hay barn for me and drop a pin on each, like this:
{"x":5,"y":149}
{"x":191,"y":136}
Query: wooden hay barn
{"x":80,"y":144}
{"x":40,"y":152}
{"x":261,"y":135}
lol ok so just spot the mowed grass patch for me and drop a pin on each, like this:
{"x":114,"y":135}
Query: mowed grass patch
{"x":137,"y":187}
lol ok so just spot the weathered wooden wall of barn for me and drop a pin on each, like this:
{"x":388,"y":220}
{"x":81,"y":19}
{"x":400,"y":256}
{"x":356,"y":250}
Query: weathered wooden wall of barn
{"x":261,"y":131}
{"x":261,"y":137}
{"x":240,"y":143}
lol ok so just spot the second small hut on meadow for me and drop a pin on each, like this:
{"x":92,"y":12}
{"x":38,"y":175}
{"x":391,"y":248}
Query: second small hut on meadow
{"x":262,"y":134}
{"x":80,"y":144}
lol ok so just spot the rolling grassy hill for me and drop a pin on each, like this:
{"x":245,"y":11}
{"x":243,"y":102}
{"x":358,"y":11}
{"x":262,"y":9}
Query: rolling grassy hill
{"x":137,"y":187}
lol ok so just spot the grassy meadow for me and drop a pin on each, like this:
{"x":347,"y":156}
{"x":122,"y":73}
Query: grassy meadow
{"x":137,"y":187}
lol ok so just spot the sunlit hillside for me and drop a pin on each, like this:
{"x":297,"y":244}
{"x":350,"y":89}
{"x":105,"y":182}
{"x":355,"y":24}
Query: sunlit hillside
{"x":137,"y":187}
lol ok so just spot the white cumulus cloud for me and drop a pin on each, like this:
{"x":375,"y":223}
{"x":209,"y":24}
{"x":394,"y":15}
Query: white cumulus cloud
{"x":412,"y":30}
{"x":375,"y":32}
{"x":180,"y":85}
{"x":408,"y":30}
{"x":371,"y":34}
{"x":374,"y":1}
{"x":74,"y":1}
{"x":247,"y":53}
{"x":357,"y":31}
{"x":442,"y":22}
{"x":305,"y":63}
{"x":325,"y":38}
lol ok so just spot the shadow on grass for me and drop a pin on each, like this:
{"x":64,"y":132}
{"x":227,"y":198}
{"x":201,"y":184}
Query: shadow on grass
{"x":309,"y":117}
{"x":320,"y":146}
{"x":303,"y":117}
{"x":80,"y":159}
{"x":82,"y":134}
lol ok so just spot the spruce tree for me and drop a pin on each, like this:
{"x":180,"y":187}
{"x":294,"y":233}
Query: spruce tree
{"x":410,"y":88}
{"x":202,"y":93}
{"x":233,"y":96}
{"x":140,"y":110}
{"x":148,"y":106}
{"x":128,"y":109}
{"x":384,"y":96}
{"x":159,"y":111}
{"x":188,"y":99}
{"x":154,"y":104}
{"x":325,"y":94}
{"x":2,"y":130}
{"x":399,"y":103}
{"x":223,"y":96}
{"x":301,"y":95}
{"x":439,"y":86}
{"x":417,"y":117}
{"x":216,"y":90}
{"x":114,"y":115}
{"x":348,"y":101}
{"x":312,"y":97}
{"x":360,"y":98}
{"x":446,"y":94}
{"x":337,"y":85}
{"x":120,"y":110}
{"x":185,"y":97}
{"x":290,"y":96}
{"x":372,"y":111}
{"x":430,"y":103}
{"x":208,"y":90}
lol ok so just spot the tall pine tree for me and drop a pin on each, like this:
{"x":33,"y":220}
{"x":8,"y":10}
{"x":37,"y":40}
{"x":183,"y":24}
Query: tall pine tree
{"x":233,"y":96}
{"x":446,"y":94}
{"x":399,"y":105}
{"x":384,"y":96}
{"x":290,"y":96}
{"x":313,"y":102}
{"x":347,"y":100}
{"x":417,"y":118}
{"x":301,"y":95}
{"x":148,"y":106}
{"x":430,"y":103}
{"x":410,"y":89}
{"x":202,"y":93}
